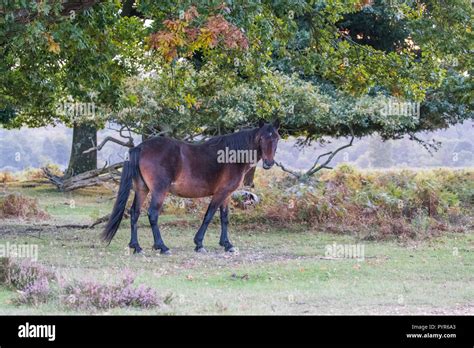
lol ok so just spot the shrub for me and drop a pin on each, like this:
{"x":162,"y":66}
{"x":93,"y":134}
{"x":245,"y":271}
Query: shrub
{"x":20,"y":275}
{"x":32,"y":174}
{"x":379,"y":204}
{"x":4,"y":269}
{"x":35,"y":293}
{"x":6,"y":177}
{"x":31,"y":279}
{"x":92,"y":295}
{"x":19,"y":206}
{"x":33,"y":282}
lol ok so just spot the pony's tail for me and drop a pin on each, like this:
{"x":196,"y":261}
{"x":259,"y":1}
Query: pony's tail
{"x":130,"y":170}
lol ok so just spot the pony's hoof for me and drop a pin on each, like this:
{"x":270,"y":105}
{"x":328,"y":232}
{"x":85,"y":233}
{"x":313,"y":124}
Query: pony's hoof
{"x":200,"y":250}
{"x":231,"y":250}
{"x":163,"y":249}
{"x":139,"y":252}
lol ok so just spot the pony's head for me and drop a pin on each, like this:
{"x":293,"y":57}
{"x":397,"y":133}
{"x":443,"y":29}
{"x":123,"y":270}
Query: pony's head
{"x":267,"y":140}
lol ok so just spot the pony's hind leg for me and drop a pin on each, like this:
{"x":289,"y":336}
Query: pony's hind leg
{"x":157,"y":199}
{"x":141,"y":191}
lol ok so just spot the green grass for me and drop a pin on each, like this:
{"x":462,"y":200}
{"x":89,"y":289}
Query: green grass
{"x":277,"y":271}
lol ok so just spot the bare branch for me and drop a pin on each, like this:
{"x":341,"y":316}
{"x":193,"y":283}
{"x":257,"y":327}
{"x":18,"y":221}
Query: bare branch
{"x":129,"y":136}
{"x":317,"y":159}
{"x":431,"y":147}
{"x":128,"y":143}
{"x":315,"y":167}
{"x":331,"y":156}
{"x":295,"y":174}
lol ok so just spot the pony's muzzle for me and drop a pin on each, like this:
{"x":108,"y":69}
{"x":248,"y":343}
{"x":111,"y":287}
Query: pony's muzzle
{"x":268,"y":164}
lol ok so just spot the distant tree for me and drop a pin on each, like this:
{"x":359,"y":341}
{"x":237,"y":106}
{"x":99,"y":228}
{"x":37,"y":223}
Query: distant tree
{"x":380,"y":153}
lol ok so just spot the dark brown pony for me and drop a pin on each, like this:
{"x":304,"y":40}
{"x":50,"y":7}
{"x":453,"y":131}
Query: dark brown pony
{"x":163,"y":165}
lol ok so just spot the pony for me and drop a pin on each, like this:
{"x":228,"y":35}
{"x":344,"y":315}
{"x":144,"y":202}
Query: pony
{"x":163,"y":165}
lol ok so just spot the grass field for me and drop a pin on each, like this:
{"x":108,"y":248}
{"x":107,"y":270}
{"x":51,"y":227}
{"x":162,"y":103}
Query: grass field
{"x":277,"y":270}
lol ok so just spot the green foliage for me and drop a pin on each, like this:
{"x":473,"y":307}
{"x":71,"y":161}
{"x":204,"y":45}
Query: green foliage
{"x":208,"y":67}
{"x":54,"y":58}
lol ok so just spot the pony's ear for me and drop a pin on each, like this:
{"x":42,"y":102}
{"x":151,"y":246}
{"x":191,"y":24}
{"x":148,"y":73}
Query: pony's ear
{"x":276,"y":123}
{"x":261,"y":123}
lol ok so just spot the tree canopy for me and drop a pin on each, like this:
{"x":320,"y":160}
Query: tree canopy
{"x":326,"y":67}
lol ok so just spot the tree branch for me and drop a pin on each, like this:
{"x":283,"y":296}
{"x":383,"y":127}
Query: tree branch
{"x":317,"y":159}
{"x":128,"y":143}
{"x":431,"y":147}
{"x":331,"y":154}
{"x":295,"y":174}
{"x":315,"y":167}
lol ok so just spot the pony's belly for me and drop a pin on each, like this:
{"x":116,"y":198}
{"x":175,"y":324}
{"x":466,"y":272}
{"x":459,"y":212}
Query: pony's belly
{"x":191,"y":190}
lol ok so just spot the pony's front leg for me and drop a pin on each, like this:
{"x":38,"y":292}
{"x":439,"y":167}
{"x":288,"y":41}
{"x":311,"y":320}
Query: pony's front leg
{"x":211,"y":210}
{"x":224,"y":240}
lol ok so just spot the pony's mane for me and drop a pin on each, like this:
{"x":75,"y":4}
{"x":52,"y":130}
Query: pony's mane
{"x":243,"y":139}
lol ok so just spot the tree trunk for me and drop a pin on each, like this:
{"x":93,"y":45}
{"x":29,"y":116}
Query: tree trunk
{"x":84,"y":137}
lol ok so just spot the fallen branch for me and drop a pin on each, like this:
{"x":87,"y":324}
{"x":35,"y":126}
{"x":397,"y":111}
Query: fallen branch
{"x":91,"y":178}
{"x":104,"y":219}
{"x":99,"y":221}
